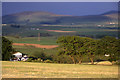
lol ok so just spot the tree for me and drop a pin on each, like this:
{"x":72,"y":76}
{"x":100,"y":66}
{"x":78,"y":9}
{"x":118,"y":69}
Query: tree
{"x":40,"y":54}
{"x":67,"y":47}
{"x":73,"y":47}
{"x":77,"y":47}
{"x":80,"y":50}
{"x":110,"y":45}
{"x":7,"y":49}
{"x":90,"y":49}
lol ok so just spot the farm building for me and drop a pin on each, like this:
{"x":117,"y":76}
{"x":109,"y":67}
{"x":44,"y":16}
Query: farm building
{"x":24,"y":58}
{"x":18,"y":56}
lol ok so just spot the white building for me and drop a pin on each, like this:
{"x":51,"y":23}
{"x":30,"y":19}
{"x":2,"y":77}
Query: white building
{"x":107,"y":55}
{"x":24,"y":58}
{"x":18,"y":55}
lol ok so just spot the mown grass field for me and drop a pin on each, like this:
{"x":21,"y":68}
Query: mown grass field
{"x":50,"y":70}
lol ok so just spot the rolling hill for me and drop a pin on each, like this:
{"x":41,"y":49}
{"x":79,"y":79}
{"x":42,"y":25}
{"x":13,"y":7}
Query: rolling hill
{"x":39,"y":17}
{"x":29,"y":24}
{"x":111,"y":14}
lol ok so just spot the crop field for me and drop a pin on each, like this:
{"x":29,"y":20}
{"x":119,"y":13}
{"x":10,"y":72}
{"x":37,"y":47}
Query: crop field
{"x":50,"y":70}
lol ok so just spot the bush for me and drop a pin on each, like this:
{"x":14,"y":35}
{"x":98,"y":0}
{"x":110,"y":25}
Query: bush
{"x":34,"y":60}
{"x":62,"y":59}
{"x":38,"y":60}
{"x":29,"y":60}
{"x":48,"y":61}
{"x":117,"y":62}
{"x":40,"y":54}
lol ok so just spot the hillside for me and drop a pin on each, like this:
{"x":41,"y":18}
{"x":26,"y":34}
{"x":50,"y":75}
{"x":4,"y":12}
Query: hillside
{"x":40,"y":17}
{"x":29,"y":18}
{"x":111,"y":14}
{"x":29,"y":24}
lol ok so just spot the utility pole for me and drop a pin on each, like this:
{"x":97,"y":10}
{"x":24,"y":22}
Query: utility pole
{"x":38,"y":36}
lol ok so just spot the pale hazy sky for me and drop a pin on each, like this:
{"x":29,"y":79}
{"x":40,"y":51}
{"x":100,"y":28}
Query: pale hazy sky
{"x":63,"y":8}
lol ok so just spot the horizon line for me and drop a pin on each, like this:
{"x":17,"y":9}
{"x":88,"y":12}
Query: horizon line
{"x":59,"y":1}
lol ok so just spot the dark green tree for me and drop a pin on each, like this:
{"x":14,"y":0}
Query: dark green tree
{"x":90,"y":49}
{"x":110,"y":45}
{"x":80,"y":50}
{"x":7,"y":49}
{"x":40,"y":54}
{"x":66,"y":46}
{"x":73,"y":47}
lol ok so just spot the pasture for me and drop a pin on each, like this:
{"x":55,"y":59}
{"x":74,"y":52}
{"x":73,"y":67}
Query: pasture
{"x":50,"y":70}
{"x":31,"y":50}
{"x":34,"y":40}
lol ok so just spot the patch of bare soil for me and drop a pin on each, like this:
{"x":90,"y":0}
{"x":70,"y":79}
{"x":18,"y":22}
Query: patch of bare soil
{"x":36,"y":45}
{"x":60,"y":31}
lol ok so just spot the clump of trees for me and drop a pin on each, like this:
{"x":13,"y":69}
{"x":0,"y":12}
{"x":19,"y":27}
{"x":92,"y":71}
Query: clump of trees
{"x":7,"y":49}
{"x":73,"y":49}
{"x":39,"y":56}
{"x":78,"y":47}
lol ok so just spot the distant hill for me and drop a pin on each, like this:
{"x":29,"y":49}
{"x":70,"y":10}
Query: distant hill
{"x":111,"y":14}
{"x":40,"y":17}
{"x":29,"y":18}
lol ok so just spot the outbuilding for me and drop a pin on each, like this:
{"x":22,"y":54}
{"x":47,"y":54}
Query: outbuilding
{"x":18,"y":55}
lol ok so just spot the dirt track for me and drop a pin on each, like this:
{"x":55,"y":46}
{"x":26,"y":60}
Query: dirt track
{"x":36,"y":45}
{"x":60,"y":31}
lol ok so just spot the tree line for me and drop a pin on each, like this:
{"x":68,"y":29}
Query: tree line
{"x":78,"y":47}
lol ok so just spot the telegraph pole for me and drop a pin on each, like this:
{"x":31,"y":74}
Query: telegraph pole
{"x":38,"y":36}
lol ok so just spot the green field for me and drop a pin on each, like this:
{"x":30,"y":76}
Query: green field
{"x":50,"y":70}
{"x":34,"y":40}
{"x":81,"y":30}
{"x":31,"y":50}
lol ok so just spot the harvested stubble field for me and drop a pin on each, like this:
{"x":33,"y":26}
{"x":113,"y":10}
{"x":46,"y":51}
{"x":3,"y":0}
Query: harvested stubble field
{"x":51,"y":70}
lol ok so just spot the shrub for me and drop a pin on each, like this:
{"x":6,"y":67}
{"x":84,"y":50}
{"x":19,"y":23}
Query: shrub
{"x":40,"y":54}
{"x":29,"y":60}
{"x":38,"y":60}
{"x":48,"y":61}
{"x":117,"y":62}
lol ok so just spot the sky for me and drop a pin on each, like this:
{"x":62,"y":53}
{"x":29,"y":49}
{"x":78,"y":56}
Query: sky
{"x":62,"y":8}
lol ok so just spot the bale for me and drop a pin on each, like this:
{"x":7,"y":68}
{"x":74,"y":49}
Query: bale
{"x":104,"y":63}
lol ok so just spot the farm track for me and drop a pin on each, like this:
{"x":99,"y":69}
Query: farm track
{"x":60,"y":31}
{"x":36,"y":45}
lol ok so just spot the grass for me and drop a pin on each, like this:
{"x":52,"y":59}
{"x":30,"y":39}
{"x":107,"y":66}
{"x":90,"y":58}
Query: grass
{"x":34,"y":40}
{"x":31,"y":50}
{"x":50,"y":70}
{"x":51,"y":40}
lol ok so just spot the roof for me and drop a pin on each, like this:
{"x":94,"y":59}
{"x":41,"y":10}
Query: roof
{"x":17,"y":53}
